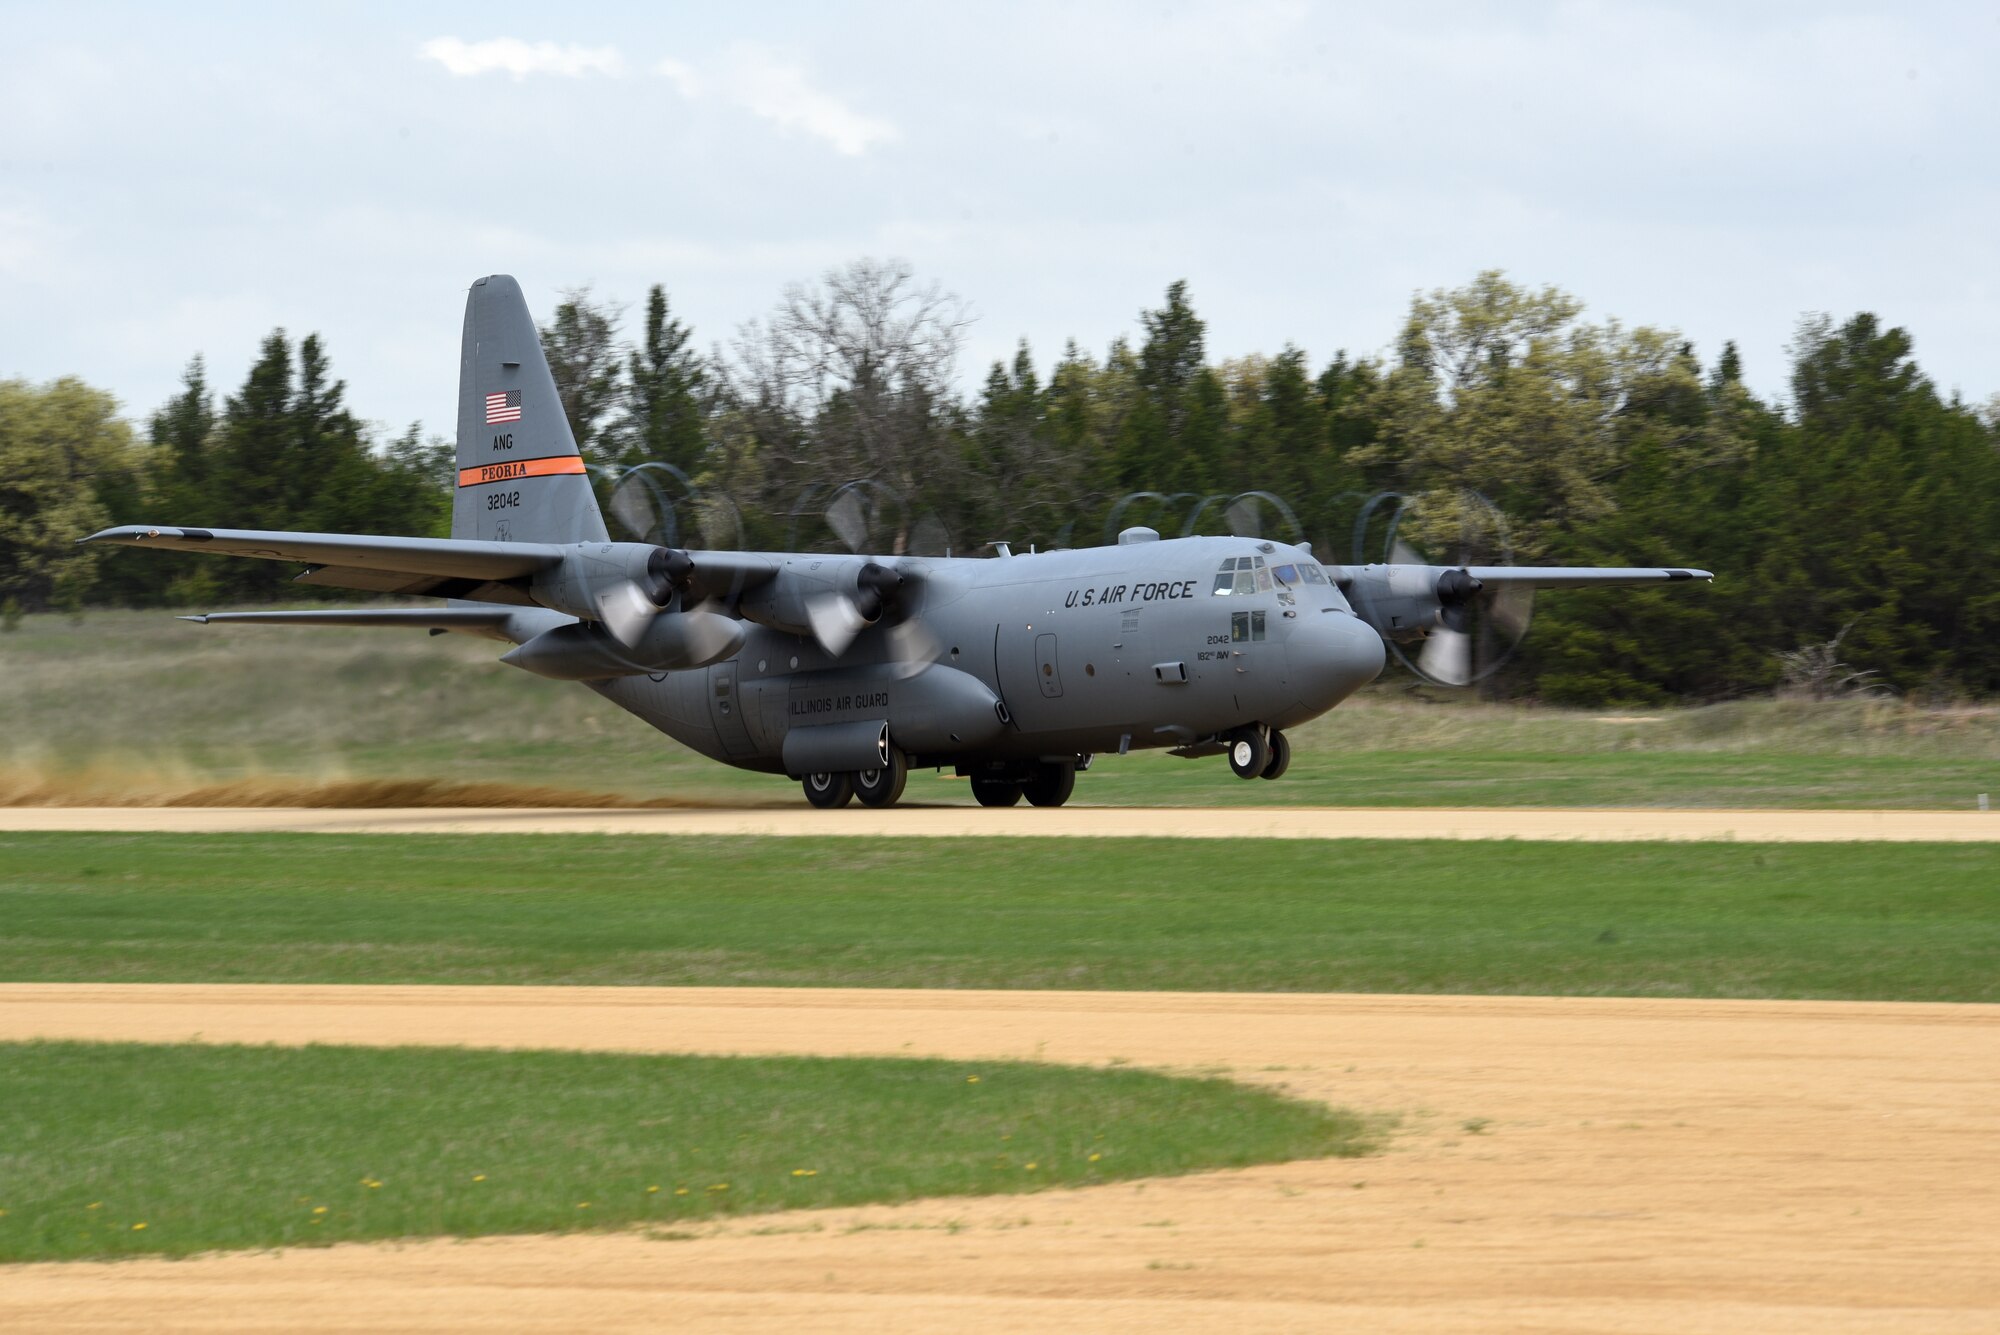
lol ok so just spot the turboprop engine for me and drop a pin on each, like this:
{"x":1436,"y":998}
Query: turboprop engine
{"x":621,"y":585}
{"x":1468,"y":621}
{"x":1405,"y":602}
{"x":622,"y":592}
{"x":832,"y":599}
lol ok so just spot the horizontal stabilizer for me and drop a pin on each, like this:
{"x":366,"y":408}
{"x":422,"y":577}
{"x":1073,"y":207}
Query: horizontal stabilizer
{"x":408,"y":618}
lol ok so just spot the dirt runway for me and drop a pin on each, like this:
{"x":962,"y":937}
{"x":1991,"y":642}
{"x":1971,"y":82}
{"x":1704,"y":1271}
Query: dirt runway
{"x":1622,"y":824}
{"x":1562,"y":1165}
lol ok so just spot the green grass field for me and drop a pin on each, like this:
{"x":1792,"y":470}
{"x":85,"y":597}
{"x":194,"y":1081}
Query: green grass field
{"x":116,"y":1149}
{"x":1886,"y":921}
{"x":139,"y":704}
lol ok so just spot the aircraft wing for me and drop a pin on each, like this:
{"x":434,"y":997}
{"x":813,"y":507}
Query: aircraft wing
{"x":387,"y":565}
{"x":426,"y":567}
{"x":1563,"y":577}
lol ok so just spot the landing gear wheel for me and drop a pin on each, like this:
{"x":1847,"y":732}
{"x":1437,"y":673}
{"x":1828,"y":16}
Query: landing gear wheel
{"x":1050,"y":785}
{"x":882,"y":787}
{"x":1281,"y":756}
{"x":1249,"y":753}
{"x":828,"y":790}
{"x":995,"y":792}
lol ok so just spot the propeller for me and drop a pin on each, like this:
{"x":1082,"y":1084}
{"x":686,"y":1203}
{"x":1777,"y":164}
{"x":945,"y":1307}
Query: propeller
{"x":1479,"y":627}
{"x":866,"y":515}
{"x":626,"y":607}
{"x":658,"y":503}
{"x":838,"y":617}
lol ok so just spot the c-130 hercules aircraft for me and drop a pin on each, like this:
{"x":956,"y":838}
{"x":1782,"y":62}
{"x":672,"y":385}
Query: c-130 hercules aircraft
{"x":843,"y":672}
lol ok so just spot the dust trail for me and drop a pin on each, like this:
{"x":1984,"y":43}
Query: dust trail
{"x":150,"y":786}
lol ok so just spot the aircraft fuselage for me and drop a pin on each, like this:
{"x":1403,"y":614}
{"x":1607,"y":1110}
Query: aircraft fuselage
{"x":1048,"y":656}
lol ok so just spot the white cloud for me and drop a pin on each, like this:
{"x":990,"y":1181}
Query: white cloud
{"x":513,"y":56}
{"x":777,"y":91}
{"x":685,"y":80}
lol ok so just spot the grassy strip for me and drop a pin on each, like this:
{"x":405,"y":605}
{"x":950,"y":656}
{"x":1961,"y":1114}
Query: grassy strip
{"x":112,"y":1149}
{"x":1903,"y":921}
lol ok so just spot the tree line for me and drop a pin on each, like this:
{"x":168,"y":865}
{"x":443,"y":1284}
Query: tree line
{"x":1852,"y":517}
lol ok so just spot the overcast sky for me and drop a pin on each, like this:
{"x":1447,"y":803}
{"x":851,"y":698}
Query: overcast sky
{"x":181,"y":179}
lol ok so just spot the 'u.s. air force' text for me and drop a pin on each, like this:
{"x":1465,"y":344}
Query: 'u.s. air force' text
{"x":1130,"y":593}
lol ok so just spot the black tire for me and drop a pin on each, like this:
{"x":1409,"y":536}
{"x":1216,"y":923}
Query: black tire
{"x":828,"y":790}
{"x":1050,"y":785}
{"x":1249,"y":752}
{"x":1281,"y":756}
{"x":995,"y":792}
{"x":883,"y":787}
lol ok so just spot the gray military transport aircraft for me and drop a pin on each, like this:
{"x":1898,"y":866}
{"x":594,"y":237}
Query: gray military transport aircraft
{"x":844,"y":671}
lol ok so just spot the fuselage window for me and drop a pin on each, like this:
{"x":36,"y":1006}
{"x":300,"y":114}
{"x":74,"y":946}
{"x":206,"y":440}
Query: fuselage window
{"x":1246,"y":626}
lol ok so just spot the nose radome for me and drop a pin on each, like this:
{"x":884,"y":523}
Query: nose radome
{"x":1332,"y":655}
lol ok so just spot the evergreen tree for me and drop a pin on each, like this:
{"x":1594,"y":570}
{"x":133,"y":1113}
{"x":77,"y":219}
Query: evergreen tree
{"x":580,"y":342}
{"x":664,"y":416}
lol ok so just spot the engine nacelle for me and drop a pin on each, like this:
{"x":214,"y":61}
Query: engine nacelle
{"x":787,"y":600}
{"x":582,"y":651}
{"x":590,"y":571}
{"x":1405,"y":603}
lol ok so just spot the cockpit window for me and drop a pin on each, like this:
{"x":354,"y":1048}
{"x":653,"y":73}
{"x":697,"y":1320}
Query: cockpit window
{"x":1249,"y":574}
{"x":1313,"y":574}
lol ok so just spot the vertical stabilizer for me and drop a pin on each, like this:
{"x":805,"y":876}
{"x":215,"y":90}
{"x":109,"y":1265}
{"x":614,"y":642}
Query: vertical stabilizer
{"x":520,"y":478}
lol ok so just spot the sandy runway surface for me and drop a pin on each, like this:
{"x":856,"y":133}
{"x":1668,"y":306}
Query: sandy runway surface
{"x":1116,"y":822}
{"x":1562,"y":1165}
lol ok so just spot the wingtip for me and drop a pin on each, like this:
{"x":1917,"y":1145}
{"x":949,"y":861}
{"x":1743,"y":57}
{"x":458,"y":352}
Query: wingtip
{"x":200,"y":618}
{"x":122,"y":532}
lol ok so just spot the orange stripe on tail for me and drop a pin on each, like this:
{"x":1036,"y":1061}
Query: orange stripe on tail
{"x":518,"y":468}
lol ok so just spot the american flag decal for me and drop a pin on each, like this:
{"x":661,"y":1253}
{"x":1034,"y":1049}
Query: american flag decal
{"x":503,"y":407}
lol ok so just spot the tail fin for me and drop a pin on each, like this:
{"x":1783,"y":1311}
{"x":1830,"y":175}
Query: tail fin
{"x":520,"y":478}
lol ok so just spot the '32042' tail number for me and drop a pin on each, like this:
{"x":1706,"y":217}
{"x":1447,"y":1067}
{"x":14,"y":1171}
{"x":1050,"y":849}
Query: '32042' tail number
{"x":503,"y":500}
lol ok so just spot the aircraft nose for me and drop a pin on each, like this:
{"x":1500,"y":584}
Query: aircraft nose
{"x":1332,"y":655}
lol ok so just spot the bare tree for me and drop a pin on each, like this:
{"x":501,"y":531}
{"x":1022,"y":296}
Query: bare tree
{"x":1816,"y":672}
{"x":852,"y":378}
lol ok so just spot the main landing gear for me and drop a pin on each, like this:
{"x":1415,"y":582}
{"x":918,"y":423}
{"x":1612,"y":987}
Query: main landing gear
{"x":1045,"y":783}
{"x":1259,"y":753}
{"x":881,"y":787}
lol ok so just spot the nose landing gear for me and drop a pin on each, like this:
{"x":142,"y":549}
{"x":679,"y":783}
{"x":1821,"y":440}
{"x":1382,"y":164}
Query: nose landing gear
{"x":1259,"y":753}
